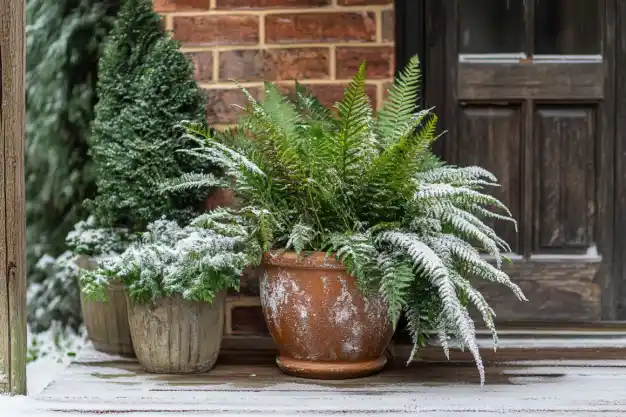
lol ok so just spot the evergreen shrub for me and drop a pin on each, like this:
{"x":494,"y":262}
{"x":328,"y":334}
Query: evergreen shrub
{"x":145,"y":87}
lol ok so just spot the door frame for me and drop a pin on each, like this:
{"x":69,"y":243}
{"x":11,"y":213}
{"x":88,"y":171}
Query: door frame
{"x":432,"y":36}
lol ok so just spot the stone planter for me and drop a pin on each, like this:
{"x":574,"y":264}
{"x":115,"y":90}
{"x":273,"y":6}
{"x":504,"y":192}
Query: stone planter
{"x":106,"y":323}
{"x":176,"y":336}
{"x":323,"y":326}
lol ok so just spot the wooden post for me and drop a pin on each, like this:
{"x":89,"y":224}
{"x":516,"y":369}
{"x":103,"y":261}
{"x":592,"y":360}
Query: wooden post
{"x":12,"y":199}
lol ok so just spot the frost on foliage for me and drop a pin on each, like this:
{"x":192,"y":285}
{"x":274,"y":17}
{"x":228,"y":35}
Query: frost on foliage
{"x":366,"y":188}
{"x":58,"y":343}
{"x":63,"y":43}
{"x":89,"y":239}
{"x":195,"y":262}
{"x":57,"y":298}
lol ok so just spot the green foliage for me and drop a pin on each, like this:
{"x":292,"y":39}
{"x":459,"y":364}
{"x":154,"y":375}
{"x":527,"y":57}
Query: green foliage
{"x":195,"y":262}
{"x":146,"y":87}
{"x":368,"y":190}
{"x":88,"y":239}
{"x":63,"y":42}
{"x":56,"y":297}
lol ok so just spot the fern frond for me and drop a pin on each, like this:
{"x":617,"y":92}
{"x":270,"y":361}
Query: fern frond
{"x":457,"y":175}
{"x":462,"y":195}
{"x":273,"y":122}
{"x":479,"y":211}
{"x":301,"y":236}
{"x":476,"y":266}
{"x":310,"y":107}
{"x":359,"y":254}
{"x":413,"y":316}
{"x":399,"y":107}
{"x":477,"y":299}
{"x":442,"y":334}
{"x":192,"y":180}
{"x":395,"y":282}
{"x":351,"y":140}
{"x":428,"y":263}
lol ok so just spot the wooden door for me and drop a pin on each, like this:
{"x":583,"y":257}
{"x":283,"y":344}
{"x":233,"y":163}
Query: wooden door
{"x":526,"y":89}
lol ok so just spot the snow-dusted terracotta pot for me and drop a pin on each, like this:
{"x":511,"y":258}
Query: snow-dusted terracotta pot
{"x":177,"y":336}
{"x":106,"y":323}
{"x":322,"y":324}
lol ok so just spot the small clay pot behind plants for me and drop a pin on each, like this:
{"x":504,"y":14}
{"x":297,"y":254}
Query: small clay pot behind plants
{"x":323,"y":326}
{"x":177,"y":336}
{"x":106,"y":322}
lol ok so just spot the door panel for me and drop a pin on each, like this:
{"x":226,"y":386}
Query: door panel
{"x":565,"y":208}
{"x":483,"y":128}
{"x":528,"y":95}
{"x":539,"y":80}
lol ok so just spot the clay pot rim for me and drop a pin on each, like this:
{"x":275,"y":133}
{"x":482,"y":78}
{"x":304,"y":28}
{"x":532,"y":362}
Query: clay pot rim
{"x":306,"y":260}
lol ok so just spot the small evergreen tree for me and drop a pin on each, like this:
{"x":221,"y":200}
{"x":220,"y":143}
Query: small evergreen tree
{"x":63,"y":40}
{"x":145,"y":88}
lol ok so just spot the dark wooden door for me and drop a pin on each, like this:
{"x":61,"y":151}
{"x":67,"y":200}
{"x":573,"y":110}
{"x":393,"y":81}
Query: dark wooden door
{"x":525,"y":88}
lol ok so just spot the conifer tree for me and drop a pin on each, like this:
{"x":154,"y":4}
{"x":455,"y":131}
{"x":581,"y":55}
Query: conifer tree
{"x":64,"y":39}
{"x":146,"y":88}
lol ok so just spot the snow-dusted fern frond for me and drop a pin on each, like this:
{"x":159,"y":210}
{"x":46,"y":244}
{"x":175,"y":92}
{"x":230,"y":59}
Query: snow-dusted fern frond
{"x":457,"y":175}
{"x":196,"y":180}
{"x":358,"y":253}
{"x":477,"y":299}
{"x":395,"y":282}
{"x":460,"y":195}
{"x":301,"y":236}
{"x":429,"y":264}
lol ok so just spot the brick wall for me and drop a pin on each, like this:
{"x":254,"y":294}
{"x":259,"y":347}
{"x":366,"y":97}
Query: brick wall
{"x":317,"y":42}
{"x":320,"y":43}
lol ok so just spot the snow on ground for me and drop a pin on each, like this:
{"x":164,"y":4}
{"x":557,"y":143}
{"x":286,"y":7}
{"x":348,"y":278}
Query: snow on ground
{"x":49,"y":353}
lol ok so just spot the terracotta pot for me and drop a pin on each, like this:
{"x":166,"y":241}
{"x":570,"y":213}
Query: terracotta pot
{"x":177,"y":336}
{"x":322,"y":324}
{"x":106,"y":323}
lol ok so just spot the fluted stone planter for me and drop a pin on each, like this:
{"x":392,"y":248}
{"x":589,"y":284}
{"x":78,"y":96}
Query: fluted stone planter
{"x":177,"y":336}
{"x":106,"y":322}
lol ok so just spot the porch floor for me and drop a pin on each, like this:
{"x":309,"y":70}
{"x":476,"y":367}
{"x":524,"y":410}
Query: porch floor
{"x":98,"y":384}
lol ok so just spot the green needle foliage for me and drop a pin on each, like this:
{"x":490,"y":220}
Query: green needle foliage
{"x":64,"y":39}
{"x":145,"y":87}
{"x":368,"y":190}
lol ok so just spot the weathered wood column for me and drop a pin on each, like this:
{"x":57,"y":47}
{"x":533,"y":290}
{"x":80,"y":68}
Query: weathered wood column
{"x":12,"y":199}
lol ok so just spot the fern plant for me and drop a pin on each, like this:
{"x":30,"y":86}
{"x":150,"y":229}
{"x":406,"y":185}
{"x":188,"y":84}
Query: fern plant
{"x":196,"y":261}
{"x":367,"y":189}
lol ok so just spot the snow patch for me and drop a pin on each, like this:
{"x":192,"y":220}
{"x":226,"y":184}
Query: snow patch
{"x":344,"y":310}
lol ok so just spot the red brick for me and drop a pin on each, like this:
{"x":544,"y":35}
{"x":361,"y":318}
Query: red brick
{"x":329,"y":94}
{"x":221,"y":101}
{"x":275,"y":64}
{"x":389,"y":28}
{"x":362,"y":2}
{"x":320,"y":27}
{"x":265,"y":4}
{"x":378,"y":61}
{"x":217,"y":30}
{"x":203,"y":65}
{"x":162,"y":6}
